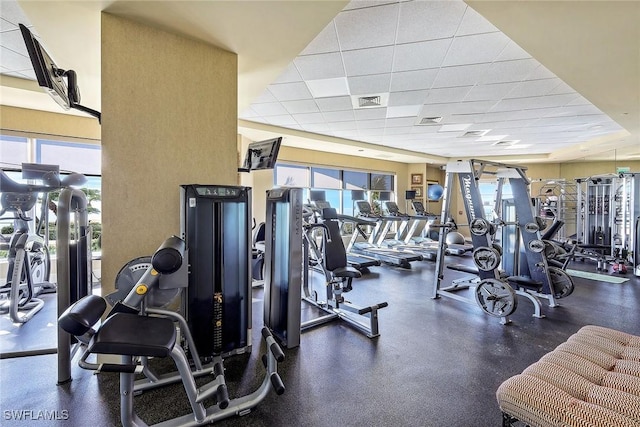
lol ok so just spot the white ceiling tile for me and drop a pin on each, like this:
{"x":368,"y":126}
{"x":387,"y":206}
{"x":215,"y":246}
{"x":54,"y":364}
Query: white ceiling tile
{"x":371,"y":113}
{"x":413,"y":80}
{"x":371,"y":124}
{"x":510,"y":71}
{"x":379,"y":24}
{"x":471,"y":107}
{"x":339,"y":116}
{"x":303,"y":106}
{"x":475,"y":49}
{"x":347,"y":125}
{"x":474,"y":23}
{"x":377,"y":60}
{"x":13,"y":40}
{"x":290,"y":91}
{"x":411,"y":97}
{"x":403,"y":110}
{"x":265,"y":96}
{"x":489,"y":92}
{"x":533,"y":102}
{"x":541,"y":72}
{"x":457,"y":127}
{"x":562,"y":88}
{"x":347,"y":134}
{"x":289,"y":75}
{"x":495,"y":116}
{"x":338,"y":103}
{"x":446,"y":95}
{"x":308,"y":118}
{"x":463,"y":75}
{"x":328,"y":88}
{"x":400,"y":121}
{"x":248,"y":113}
{"x":512,"y":51}
{"x":428,"y":20}
{"x":316,"y":127}
{"x":321,"y":66}
{"x":14,"y":61}
{"x":282,"y":120}
{"x":464,"y":118}
{"x":6,"y":25}
{"x":420,"y":55}
{"x":12,"y":12}
{"x":533,"y":88}
{"x":267,"y":109}
{"x":325,"y":42}
{"x":401,"y":130}
{"x":363,"y":85}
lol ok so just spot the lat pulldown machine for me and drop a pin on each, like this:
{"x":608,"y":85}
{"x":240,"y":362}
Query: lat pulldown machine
{"x":529,"y":274}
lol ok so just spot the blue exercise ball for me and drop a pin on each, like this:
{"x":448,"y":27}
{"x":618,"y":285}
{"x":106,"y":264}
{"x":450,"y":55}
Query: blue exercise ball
{"x":435,"y":192}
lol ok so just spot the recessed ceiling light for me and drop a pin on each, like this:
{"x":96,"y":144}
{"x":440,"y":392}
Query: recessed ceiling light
{"x":506,"y":143}
{"x":325,"y":88}
{"x":490,"y":138}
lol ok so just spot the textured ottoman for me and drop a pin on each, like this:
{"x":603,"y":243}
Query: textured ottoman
{"x":592,"y":379}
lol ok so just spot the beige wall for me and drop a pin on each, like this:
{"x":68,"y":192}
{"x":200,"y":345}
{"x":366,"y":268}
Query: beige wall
{"x":169,"y":117}
{"x":22,"y":120}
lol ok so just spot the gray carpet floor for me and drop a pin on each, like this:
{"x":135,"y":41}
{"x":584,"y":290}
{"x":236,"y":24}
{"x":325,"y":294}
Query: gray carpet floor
{"x":436,"y":362}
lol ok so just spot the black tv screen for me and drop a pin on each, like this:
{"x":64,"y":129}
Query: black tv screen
{"x":261,"y":155}
{"x":49,"y":76}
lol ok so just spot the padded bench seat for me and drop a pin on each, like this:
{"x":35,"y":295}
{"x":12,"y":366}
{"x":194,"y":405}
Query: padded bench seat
{"x":591,"y":380}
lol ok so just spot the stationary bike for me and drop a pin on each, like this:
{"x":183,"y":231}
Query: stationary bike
{"x":29,"y":264}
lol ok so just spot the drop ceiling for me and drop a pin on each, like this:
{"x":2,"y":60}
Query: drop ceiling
{"x":438,"y":79}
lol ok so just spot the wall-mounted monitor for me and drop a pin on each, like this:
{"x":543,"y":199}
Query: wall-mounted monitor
{"x":261,"y":155}
{"x":57,"y":82}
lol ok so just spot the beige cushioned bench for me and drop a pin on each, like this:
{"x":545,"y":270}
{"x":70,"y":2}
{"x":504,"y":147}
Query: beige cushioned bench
{"x":592,"y":379}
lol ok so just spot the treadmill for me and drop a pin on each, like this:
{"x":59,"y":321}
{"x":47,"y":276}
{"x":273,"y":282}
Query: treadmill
{"x":358,"y":261}
{"x":428,"y":253}
{"x":369,"y":248}
{"x":457,"y":249}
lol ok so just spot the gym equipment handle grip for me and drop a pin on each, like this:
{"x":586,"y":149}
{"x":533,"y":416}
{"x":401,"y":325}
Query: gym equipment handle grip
{"x":369,"y":309}
{"x":277,"y":384}
{"x":273,"y":345}
{"x":223,"y":396}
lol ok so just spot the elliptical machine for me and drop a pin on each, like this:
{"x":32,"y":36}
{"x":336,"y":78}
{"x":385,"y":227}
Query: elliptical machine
{"x":29,"y":264}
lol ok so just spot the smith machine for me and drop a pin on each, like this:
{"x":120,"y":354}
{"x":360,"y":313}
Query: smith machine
{"x":524,"y":270}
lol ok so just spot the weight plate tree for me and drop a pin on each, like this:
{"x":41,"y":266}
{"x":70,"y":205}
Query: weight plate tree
{"x":215,"y":222}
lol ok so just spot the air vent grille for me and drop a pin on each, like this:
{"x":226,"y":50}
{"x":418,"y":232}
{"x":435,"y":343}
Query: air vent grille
{"x":430,"y":120}
{"x":475,"y":133}
{"x":369,"y":101}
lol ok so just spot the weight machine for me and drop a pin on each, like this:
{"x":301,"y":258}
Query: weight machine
{"x":528,"y":274}
{"x":289,"y":241}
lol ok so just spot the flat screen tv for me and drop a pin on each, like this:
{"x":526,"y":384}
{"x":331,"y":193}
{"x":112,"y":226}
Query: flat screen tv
{"x":261,"y":155}
{"x":57,"y":82}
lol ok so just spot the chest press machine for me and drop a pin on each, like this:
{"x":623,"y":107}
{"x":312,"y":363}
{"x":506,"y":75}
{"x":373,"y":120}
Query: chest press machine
{"x":529,"y":275}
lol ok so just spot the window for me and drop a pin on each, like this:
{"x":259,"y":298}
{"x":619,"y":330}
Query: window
{"x":338,"y":187}
{"x":76,"y":157}
{"x":13,"y":151}
{"x":292,"y":176}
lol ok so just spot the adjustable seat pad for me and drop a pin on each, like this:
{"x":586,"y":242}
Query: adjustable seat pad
{"x":134,"y":335}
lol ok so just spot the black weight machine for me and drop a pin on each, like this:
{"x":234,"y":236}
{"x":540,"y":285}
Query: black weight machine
{"x":526,"y":271}
{"x":134,"y":336}
{"x":288,"y":244}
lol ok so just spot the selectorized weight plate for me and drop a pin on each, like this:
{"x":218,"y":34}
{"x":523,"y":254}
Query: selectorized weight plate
{"x":536,"y":246}
{"x":496,"y":298}
{"x":486,"y":258}
{"x":531,"y":227}
{"x":479,"y":227}
{"x":129,"y":275}
{"x":560,"y":281}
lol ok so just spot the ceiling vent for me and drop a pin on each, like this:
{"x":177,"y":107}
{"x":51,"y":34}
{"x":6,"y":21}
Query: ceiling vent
{"x":475,"y":133}
{"x":425,"y":121}
{"x":504,"y":143}
{"x":370,"y":101}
